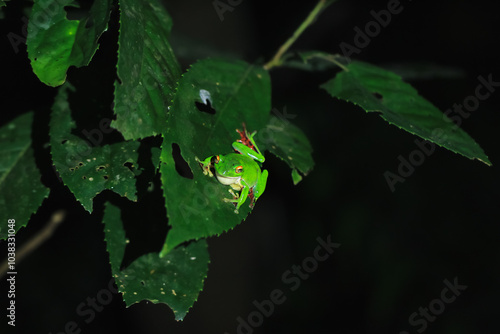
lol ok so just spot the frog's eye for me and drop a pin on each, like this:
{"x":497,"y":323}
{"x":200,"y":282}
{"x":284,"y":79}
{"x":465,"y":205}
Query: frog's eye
{"x":217,"y":159}
{"x":239,"y":169}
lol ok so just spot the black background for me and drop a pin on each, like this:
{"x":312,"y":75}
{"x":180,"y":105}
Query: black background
{"x":396,"y":249}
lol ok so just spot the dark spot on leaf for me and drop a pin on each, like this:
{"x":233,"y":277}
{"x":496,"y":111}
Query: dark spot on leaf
{"x":64,"y":141}
{"x":106,"y":177}
{"x":84,"y":177}
{"x":205,"y":107}
{"x":100,"y":168}
{"x":181,"y":166}
{"x":142,"y":282}
{"x":378,"y":96}
{"x":80,"y":164}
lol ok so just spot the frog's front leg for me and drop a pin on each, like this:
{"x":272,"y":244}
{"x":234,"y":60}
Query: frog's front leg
{"x":205,"y":165}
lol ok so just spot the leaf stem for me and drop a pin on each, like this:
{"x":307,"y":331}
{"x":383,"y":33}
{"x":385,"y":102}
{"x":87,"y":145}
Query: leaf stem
{"x":276,"y":60}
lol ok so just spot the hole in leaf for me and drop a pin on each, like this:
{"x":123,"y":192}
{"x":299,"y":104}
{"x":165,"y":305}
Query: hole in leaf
{"x":100,"y":168}
{"x":106,"y":177}
{"x":181,"y":166}
{"x":129,"y":165}
{"x":142,"y":282}
{"x":84,"y":177}
{"x":378,"y":96}
{"x":205,"y":107}
{"x":80,"y":164}
{"x":79,"y":11}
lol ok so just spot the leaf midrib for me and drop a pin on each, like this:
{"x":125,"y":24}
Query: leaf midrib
{"x":22,"y":152}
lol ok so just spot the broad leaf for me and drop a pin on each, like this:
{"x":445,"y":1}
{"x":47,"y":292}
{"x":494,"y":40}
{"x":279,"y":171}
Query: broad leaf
{"x":420,"y":70}
{"x":290,"y":144}
{"x":21,"y":191}
{"x":147,"y":69}
{"x":175,"y":280}
{"x":238,"y":93}
{"x":400,"y":104}
{"x":56,"y":43}
{"x":88,"y":170}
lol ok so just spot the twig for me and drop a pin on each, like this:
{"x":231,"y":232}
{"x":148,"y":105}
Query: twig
{"x":276,"y":60}
{"x":56,"y":218}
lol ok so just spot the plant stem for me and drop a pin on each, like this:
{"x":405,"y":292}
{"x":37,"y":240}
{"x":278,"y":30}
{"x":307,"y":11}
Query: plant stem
{"x":35,"y":241}
{"x":276,"y":60}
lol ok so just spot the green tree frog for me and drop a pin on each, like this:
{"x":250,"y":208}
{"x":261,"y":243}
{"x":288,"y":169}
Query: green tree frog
{"x":239,"y":170}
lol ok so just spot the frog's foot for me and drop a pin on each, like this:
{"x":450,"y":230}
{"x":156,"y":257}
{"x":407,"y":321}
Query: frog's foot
{"x":235,"y":195}
{"x":234,"y":200}
{"x":204,"y":166}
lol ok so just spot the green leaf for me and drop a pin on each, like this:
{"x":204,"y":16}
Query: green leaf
{"x":175,"y":280}
{"x":296,"y":177}
{"x":422,"y":70}
{"x":155,"y":157}
{"x":148,"y":71}
{"x":21,"y":191}
{"x":238,"y":92}
{"x":85,"y":169}
{"x":400,"y":104}
{"x":290,"y":144}
{"x":3,"y":3}
{"x":56,"y":43}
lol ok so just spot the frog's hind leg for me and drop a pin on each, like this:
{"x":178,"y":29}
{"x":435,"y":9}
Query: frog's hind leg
{"x":239,"y":200}
{"x":261,"y":185}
